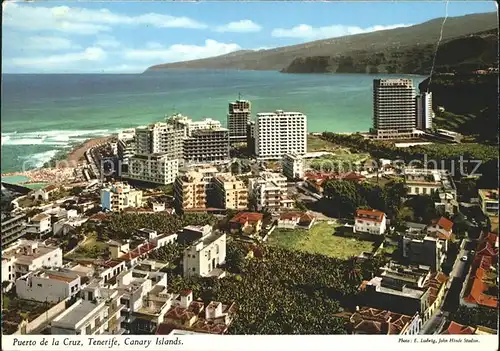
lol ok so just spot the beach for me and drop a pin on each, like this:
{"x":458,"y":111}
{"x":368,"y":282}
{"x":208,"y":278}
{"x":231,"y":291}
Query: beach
{"x":63,"y":171}
{"x":78,"y":153}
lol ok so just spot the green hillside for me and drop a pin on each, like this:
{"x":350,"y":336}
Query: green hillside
{"x":420,"y":38}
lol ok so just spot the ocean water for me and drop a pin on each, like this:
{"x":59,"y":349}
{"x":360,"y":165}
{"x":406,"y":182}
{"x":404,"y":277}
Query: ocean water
{"x":43,"y":114}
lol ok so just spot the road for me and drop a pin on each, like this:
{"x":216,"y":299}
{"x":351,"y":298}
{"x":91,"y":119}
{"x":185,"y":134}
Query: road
{"x":452,"y":295}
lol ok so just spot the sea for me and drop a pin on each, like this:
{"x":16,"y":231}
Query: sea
{"x":44,"y":115}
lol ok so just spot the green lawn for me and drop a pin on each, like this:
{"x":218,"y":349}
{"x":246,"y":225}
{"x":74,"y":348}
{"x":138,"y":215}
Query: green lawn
{"x":92,"y":248}
{"x":315,"y":143}
{"x":319,"y":239}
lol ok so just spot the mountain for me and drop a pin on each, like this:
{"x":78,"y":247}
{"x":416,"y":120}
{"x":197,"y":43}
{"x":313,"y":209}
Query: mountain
{"x":463,"y":54}
{"x":320,"y":52}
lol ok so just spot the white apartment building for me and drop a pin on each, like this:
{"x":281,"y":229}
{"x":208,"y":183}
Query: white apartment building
{"x":118,"y":196}
{"x":280,"y":132}
{"x":39,"y":224}
{"x":270,"y":191}
{"x":424,"y":111}
{"x":237,"y":119}
{"x":48,"y":285}
{"x":160,"y":138}
{"x":293,"y":166}
{"x":27,"y":256}
{"x":204,"y":255}
{"x":370,"y":221}
{"x":153,"y":168}
{"x":97,"y":312}
{"x":187,"y":125}
{"x":393,"y":106}
{"x":427,"y":181}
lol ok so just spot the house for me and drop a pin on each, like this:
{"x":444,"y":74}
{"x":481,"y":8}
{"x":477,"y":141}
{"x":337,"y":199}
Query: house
{"x":482,"y":283}
{"x":193,"y":317}
{"x":44,"y":194}
{"x":39,"y":224}
{"x":204,"y":255}
{"x":47,"y":285}
{"x":27,"y":256}
{"x":422,"y":249}
{"x":399,"y":289}
{"x":437,"y":287}
{"x":96,"y":312}
{"x":292,"y":220}
{"x":370,"y":221}
{"x":455,"y":328}
{"x":246,"y":222}
{"x":372,"y":321}
{"x":441,"y":228}
{"x":118,"y":196}
{"x":427,"y":181}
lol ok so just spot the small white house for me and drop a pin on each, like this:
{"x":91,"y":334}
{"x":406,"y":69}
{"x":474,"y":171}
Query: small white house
{"x":48,"y":285}
{"x":44,"y":193}
{"x":370,"y":221}
{"x":39,"y":224}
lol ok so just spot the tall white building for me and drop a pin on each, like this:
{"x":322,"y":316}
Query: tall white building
{"x":424,"y":111}
{"x":393,"y":106}
{"x":159,"y":138}
{"x":153,"y":168}
{"x":237,"y":119}
{"x":280,"y":132}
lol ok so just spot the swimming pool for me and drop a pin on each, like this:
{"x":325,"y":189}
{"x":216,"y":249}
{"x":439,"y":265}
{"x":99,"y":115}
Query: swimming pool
{"x":19,"y":179}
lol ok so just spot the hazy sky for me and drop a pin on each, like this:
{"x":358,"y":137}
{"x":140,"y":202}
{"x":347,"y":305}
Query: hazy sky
{"x":130,"y":36}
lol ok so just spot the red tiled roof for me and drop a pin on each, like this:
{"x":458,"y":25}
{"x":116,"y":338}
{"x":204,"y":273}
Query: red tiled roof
{"x":138,"y":251}
{"x":49,"y":188}
{"x":374,"y":321}
{"x":186,"y":292}
{"x":247,"y":217}
{"x":290,"y":216}
{"x":373,"y":215}
{"x":458,"y":329}
{"x":100,"y":217}
{"x":179,"y":313}
{"x":476,"y":289}
{"x":444,"y":223}
{"x":306,"y":218}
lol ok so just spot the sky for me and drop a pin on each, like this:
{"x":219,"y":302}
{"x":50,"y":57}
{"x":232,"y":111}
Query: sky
{"x":128,"y":37}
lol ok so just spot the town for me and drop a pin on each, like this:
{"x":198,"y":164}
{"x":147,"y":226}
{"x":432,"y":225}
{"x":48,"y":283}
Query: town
{"x":186,"y":227}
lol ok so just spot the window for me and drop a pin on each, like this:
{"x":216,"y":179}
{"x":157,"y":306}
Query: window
{"x":39,"y":285}
{"x":194,"y":269}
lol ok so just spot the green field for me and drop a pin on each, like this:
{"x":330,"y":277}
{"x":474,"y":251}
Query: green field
{"x":315,"y":143}
{"x":319,"y":239}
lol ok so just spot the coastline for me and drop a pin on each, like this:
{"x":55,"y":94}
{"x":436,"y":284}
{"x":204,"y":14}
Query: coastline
{"x":61,"y":170}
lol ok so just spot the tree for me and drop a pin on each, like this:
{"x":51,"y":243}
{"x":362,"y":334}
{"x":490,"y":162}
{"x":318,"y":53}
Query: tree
{"x":75,"y":191}
{"x":423,"y":208}
{"x":344,"y":196}
{"x":478,"y":316}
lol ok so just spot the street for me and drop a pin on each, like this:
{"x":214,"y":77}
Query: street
{"x":452,"y":295}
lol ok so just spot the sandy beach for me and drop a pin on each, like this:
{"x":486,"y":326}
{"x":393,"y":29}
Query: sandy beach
{"x":63,"y":170}
{"x":78,"y":153}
